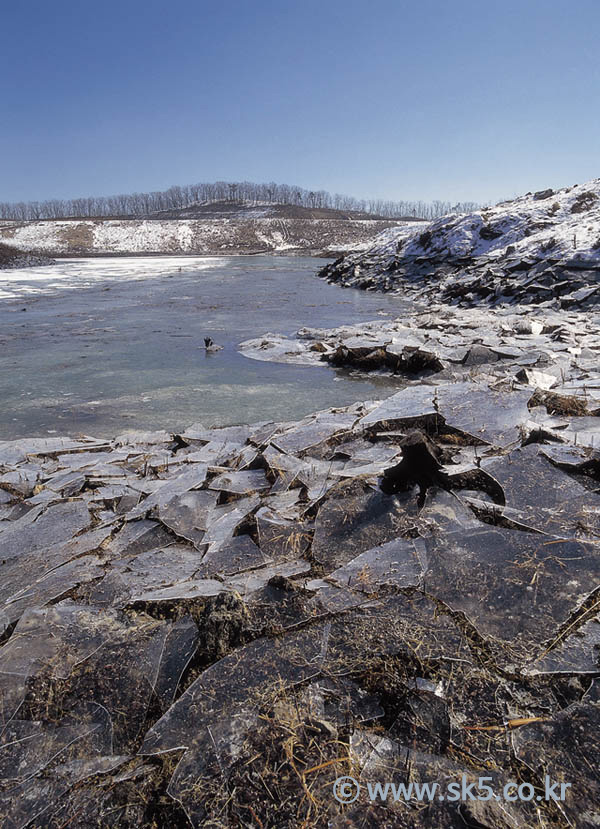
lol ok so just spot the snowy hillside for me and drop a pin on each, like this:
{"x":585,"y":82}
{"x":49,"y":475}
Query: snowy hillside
{"x":550,"y":238}
{"x":192,"y":236}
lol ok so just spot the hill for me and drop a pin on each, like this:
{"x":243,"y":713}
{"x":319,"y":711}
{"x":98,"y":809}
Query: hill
{"x":227,"y":209}
{"x":215,"y":229}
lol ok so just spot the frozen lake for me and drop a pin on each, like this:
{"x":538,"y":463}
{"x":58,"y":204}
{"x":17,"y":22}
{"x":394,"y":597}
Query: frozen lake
{"x":100,"y":346}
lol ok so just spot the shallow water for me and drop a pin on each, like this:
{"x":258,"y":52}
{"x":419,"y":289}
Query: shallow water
{"x":107,"y":345}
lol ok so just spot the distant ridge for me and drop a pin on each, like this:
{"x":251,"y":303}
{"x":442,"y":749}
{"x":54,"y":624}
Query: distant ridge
{"x":165,"y":203}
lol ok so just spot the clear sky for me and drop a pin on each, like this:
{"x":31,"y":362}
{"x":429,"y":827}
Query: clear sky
{"x":450,"y":99}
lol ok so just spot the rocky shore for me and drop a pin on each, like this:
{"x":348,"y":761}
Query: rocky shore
{"x":11,"y":257}
{"x":518,"y":346}
{"x":209,"y":628}
{"x":543,"y":249}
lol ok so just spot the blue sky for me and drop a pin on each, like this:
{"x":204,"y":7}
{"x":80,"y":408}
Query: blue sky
{"x":387,"y":99}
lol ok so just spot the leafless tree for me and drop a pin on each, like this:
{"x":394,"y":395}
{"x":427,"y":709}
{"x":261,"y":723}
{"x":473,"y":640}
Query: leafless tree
{"x":183,"y":196}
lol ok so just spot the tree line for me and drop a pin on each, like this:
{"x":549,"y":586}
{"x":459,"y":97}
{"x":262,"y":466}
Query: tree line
{"x":180,"y":197}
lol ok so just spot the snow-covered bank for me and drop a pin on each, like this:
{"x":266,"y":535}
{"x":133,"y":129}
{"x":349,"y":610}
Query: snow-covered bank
{"x":543,"y":247}
{"x":88,"y":237}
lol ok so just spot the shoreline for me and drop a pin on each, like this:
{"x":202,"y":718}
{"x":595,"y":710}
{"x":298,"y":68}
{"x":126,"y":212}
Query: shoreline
{"x":398,"y":575}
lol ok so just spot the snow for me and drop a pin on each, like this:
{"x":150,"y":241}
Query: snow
{"x":210,"y":236}
{"x":17,"y":283}
{"x":537,"y":226}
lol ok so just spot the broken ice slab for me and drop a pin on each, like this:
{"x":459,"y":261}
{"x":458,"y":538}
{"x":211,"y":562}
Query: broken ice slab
{"x":364,"y":458}
{"x":113,"y":473}
{"x":279,"y":604}
{"x":402,"y":408}
{"x":253,"y":580}
{"x":214,"y":715}
{"x":240,"y":483}
{"x":60,"y":655}
{"x":409,"y":626}
{"x":179,"y":593}
{"x":408,"y":338}
{"x":192,"y":478}
{"x":505,"y":351}
{"x":286,"y":504}
{"x":20,"y":575}
{"x":41,"y":796}
{"x":197,"y":434}
{"x":583,"y":431}
{"x":187,"y":514}
{"x":515,"y":587}
{"x":367,"y":470}
{"x":224,"y":521}
{"x":489,"y":415}
{"x":20,"y":482}
{"x":138,"y":536}
{"x":236,"y":555}
{"x":215,"y":453}
{"x":525,"y":326}
{"x":479,"y":355}
{"x":81,"y":460}
{"x":262,"y":432}
{"x":16,"y":451}
{"x":123,"y":787}
{"x":543,"y":496}
{"x":280,"y":538}
{"x":360,"y":451}
{"x":331,"y":598}
{"x":408,"y":764}
{"x":314,"y":431}
{"x":566,"y":749}
{"x":279,"y":348}
{"x":66,"y":484}
{"x":28,"y":747}
{"x":313,"y":474}
{"x":152,"y":570}
{"x":47,"y":579}
{"x":355,"y":517}
{"x":398,"y":563}
{"x":362,"y":344}
{"x":424,"y":723}
{"x":327,"y":706}
{"x":537,"y":379}
{"x":579,"y":295}
{"x":285,"y":467}
{"x":318,"y":477}
{"x":42,"y":528}
{"x":445,"y":511}
{"x":341,"y":700}
{"x":241,"y":678}
{"x":143,"y":439}
{"x":571,"y":458}
{"x":575,"y":651}
{"x":118,"y":497}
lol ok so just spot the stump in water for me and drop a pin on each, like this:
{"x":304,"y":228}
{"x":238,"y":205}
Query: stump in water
{"x":419,"y":465}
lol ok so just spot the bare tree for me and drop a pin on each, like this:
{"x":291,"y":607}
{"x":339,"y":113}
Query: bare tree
{"x":183,"y":196}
